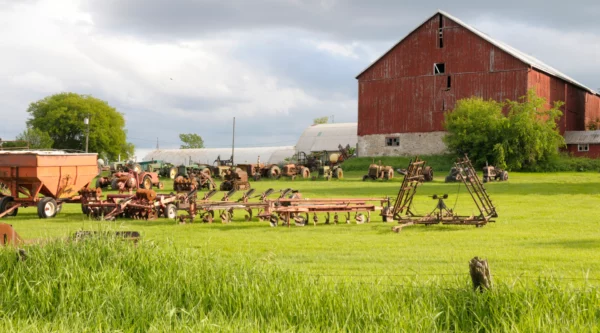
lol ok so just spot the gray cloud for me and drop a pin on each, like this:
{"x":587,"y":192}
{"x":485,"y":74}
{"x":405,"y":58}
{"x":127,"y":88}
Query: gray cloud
{"x":349,"y":20}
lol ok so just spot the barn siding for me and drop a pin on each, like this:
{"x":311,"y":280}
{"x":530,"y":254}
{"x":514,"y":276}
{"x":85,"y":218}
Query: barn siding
{"x":400,"y":93}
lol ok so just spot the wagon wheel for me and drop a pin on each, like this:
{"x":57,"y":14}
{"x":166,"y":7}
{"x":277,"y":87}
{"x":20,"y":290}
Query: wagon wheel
{"x":5,"y":204}
{"x":249,"y":215}
{"x":47,"y":208}
{"x":225,"y":216}
{"x":305,"y":173}
{"x":147,"y":183}
{"x":339,"y":173}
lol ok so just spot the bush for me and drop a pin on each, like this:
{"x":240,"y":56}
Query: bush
{"x":525,"y":138}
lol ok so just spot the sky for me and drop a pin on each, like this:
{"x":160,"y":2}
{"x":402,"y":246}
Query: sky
{"x":190,"y":66}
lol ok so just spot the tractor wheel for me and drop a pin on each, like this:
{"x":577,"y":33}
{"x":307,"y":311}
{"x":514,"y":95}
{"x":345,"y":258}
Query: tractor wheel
{"x":390,"y":174}
{"x":428,"y":174}
{"x":4,"y":205}
{"x":114,"y":184}
{"x":172,"y":172}
{"x":305,"y":173}
{"x":47,"y":208}
{"x":256,"y":177}
{"x":365,"y":178}
{"x":170,"y":211}
{"x":274,"y":172}
{"x":504,"y":175}
{"x":338,"y":173}
{"x":486,"y":179}
{"x":137,"y":168}
{"x":146,"y":183}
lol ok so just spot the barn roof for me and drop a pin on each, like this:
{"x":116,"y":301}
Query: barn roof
{"x":527,"y":59}
{"x":327,"y":137}
{"x":582,"y":137}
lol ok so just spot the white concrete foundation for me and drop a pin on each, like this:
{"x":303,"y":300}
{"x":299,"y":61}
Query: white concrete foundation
{"x":429,"y":143}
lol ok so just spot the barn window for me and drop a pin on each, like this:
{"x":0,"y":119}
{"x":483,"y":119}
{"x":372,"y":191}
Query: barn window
{"x":392,"y":141}
{"x":583,"y":147}
{"x":439,"y":69}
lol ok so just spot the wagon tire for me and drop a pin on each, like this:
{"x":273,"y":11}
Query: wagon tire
{"x":47,"y":208}
{"x":171,"y":211}
{"x":4,"y":201}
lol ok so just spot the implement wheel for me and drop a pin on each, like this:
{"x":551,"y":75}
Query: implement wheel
{"x":5,"y":204}
{"x":274,"y":172}
{"x":47,"y":208}
{"x":338,"y":173}
{"x":147,"y":183}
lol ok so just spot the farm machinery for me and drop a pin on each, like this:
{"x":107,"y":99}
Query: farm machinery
{"x":127,"y":181}
{"x":492,"y":173}
{"x":261,"y":170}
{"x":144,"y":204}
{"x":402,"y":212}
{"x":188,"y":179}
{"x":163,"y":169}
{"x":378,"y":171}
{"x":235,"y":179}
{"x":44,"y":179}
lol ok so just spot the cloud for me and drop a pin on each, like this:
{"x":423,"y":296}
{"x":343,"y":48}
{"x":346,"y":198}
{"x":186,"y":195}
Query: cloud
{"x":190,"y":66}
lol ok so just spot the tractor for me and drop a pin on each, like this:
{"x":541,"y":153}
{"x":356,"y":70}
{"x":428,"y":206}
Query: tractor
{"x":199,"y":178}
{"x":491,"y":173}
{"x":378,"y":171}
{"x":235,"y":179}
{"x":129,"y":180}
{"x":261,"y":170}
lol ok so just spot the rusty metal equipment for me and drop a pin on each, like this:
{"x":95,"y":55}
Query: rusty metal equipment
{"x":128,"y":181}
{"x":163,"y":169}
{"x":260,"y":170}
{"x":188,"y":179}
{"x":492,"y":173}
{"x":293,"y":170}
{"x":378,"y":171}
{"x":235,"y":179}
{"x":401,"y":210}
{"x":45,"y":179}
{"x":328,"y":165}
{"x":143,"y":205}
{"x":427,"y":173}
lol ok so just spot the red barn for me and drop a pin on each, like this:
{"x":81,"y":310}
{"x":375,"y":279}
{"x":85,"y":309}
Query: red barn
{"x":403,"y":95}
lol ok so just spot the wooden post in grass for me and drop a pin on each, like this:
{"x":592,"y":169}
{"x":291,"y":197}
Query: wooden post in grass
{"x":480,"y":274}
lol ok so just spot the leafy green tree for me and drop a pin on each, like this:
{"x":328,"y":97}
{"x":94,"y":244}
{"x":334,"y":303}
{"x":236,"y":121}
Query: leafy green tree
{"x":62,"y":116}
{"x":321,"y":120}
{"x":36,"y":138}
{"x":191,"y":141}
{"x":523,"y":137}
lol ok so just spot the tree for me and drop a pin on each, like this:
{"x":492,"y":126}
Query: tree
{"x":62,"y":116}
{"x":36,"y":138}
{"x":523,"y":138}
{"x":322,"y":120}
{"x":191,"y":141}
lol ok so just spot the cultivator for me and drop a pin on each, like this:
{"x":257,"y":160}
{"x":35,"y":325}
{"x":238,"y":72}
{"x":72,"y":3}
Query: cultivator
{"x":143,"y":205}
{"x":401,"y":211}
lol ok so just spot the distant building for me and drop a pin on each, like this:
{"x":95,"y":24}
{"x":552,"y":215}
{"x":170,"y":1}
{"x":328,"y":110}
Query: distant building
{"x":274,"y":155}
{"x":583,"y":143}
{"x":327,"y":137}
{"x":402,"y":96}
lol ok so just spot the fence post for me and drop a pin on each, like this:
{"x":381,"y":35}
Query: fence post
{"x":480,"y":274}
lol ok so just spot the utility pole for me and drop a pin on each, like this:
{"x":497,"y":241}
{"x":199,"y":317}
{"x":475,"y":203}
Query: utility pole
{"x":86,"y":121}
{"x":233,"y":143}
{"x":156,"y":143}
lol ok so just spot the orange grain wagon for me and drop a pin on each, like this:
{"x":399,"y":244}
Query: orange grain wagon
{"x":45,"y":179}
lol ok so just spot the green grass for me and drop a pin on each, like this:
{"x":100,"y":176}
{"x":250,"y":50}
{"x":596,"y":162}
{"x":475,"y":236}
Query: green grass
{"x":246,"y":276}
{"x":441,"y":163}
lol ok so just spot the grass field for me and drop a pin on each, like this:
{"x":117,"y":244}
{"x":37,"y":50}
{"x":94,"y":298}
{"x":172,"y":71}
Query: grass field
{"x":542,"y":251}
